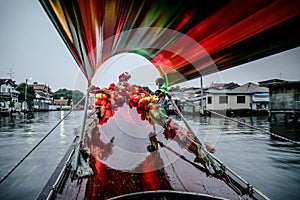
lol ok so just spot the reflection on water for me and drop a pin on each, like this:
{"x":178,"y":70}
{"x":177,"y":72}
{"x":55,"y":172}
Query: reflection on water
{"x":286,"y":130}
{"x":18,"y":136}
{"x":270,"y":165}
{"x":62,"y":125}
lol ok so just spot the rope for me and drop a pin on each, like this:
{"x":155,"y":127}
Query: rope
{"x":256,"y":128}
{"x":22,"y":160}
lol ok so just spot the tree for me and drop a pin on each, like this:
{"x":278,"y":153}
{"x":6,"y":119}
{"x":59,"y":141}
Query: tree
{"x":71,"y":95}
{"x":77,"y":96}
{"x":30,"y":94}
{"x":147,"y":89}
{"x":62,"y":93}
{"x":11,"y":104}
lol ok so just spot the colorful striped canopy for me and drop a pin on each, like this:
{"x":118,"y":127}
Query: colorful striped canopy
{"x":191,"y":38}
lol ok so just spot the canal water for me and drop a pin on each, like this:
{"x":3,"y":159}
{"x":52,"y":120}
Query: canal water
{"x":270,"y":165}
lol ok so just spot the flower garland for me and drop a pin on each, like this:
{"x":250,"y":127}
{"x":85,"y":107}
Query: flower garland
{"x":107,"y":100}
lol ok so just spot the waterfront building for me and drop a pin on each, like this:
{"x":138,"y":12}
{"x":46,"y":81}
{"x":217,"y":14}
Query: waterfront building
{"x":259,"y":99}
{"x":269,"y":82}
{"x":61,"y":104}
{"x":8,"y":96}
{"x":186,"y":99}
{"x":223,"y":86}
{"x":284,"y":99}
{"x":229,"y":101}
{"x":260,"y":102}
{"x":284,"y":113}
{"x":247,"y":99}
{"x":43,"y":99}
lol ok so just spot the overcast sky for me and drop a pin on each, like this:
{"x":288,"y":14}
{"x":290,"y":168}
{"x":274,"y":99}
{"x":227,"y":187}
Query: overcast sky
{"x":31,"y":47}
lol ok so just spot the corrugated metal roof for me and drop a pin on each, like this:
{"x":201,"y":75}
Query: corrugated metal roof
{"x":251,"y":87}
{"x":230,"y":92}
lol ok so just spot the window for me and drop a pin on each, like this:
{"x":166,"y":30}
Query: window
{"x":209,"y":100}
{"x":223,"y":99}
{"x":240,"y":99}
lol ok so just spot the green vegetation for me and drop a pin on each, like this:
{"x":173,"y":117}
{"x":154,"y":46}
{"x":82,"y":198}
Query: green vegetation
{"x":72,"y":95}
{"x":147,"y":89}
{"x":30,"y":94}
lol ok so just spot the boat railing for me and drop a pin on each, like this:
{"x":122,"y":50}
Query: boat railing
{"x":49,"y":193}
{"x":250,"y":189}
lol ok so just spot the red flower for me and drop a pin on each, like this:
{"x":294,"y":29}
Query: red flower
{"x":103,"y":102}
{"x":146,"y":107}
{"x":147,"y":94}
{"x":145,"y":101}
{"x":140,"y":106}
{"x":112,"y":86}
{"x":141,"y":90}
{"x":130,"y":104}
{"x":108,"y":106}
{"x":116,"y":93}
{"x":125,"y":84}
{"x":124,"y":77}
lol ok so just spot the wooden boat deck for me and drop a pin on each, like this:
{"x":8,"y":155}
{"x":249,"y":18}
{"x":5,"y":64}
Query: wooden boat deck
{"x":110,"y":183}
{"x":123,"y":165}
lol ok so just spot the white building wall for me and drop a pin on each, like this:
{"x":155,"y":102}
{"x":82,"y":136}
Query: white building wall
{"x":8,"y":90}
{"x":232,"y":102}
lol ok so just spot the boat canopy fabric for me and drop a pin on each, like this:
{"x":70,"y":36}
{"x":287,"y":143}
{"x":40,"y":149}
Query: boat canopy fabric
{"x":183,"y":39}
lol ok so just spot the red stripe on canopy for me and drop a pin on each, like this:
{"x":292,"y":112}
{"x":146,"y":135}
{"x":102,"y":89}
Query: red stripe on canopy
{"x":184,"y":39}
